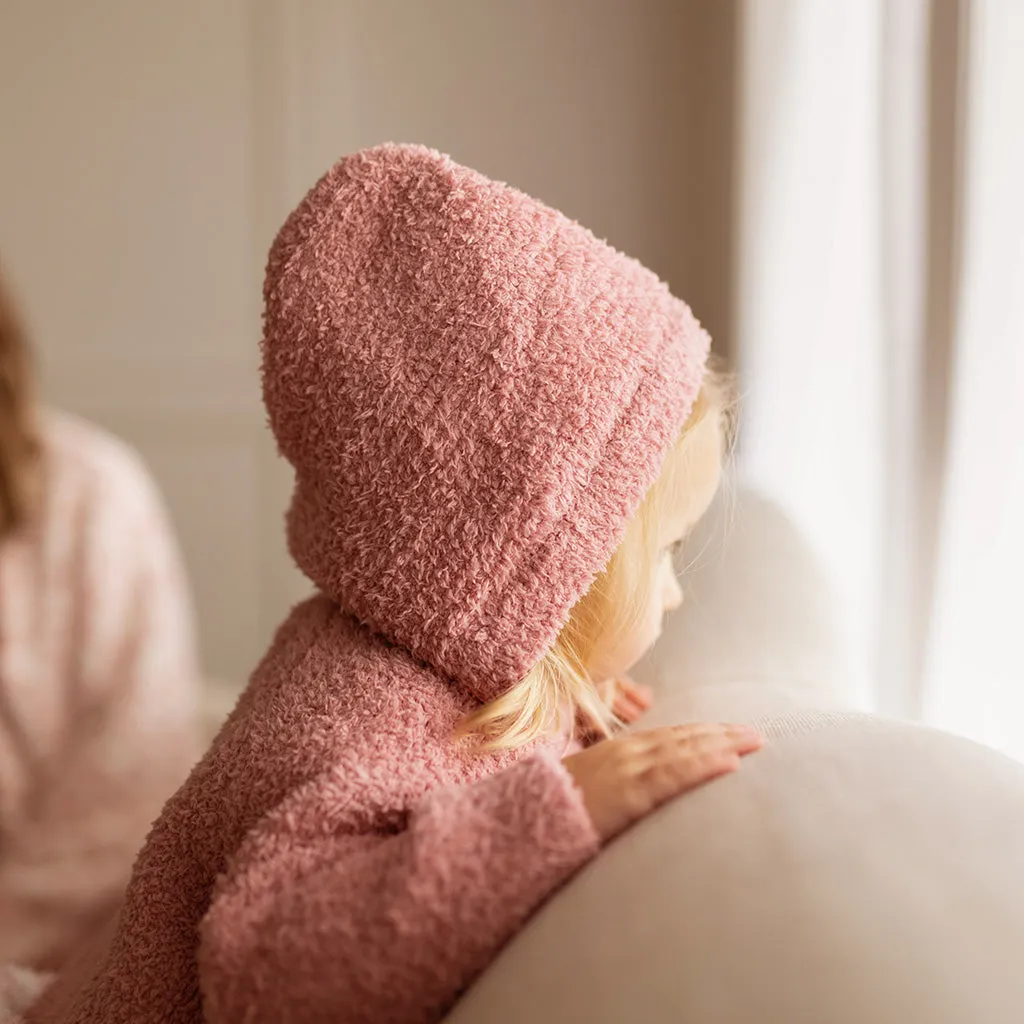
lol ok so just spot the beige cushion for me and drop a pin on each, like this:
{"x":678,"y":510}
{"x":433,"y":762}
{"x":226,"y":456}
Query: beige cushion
{"x":856,"y":870}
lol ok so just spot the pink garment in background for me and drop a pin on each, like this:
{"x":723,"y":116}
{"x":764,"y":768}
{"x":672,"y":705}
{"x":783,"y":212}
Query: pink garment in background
{"x":98,"y":690}
{"x":475,"y":394}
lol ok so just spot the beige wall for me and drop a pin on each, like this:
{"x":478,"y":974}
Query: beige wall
{"x":149,"y":151}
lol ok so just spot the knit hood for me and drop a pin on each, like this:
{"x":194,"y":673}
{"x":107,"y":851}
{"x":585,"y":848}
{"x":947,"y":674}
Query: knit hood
{"x":475,"y":394}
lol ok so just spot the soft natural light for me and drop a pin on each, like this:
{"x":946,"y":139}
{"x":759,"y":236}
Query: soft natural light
{"x":809,"y":293}
{"x":975,"y":681}
{"x":833,"y":331}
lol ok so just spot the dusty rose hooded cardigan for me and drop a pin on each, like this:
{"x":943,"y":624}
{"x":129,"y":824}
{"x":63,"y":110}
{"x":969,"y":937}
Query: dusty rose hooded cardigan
{"x":475,"y":394}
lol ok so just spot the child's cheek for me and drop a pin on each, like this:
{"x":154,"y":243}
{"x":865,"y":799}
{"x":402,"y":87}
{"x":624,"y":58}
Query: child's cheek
{"x":647,"y":631}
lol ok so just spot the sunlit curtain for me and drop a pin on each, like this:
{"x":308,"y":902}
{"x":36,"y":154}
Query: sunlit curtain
{"x":974,"y":679}
{"x":880,"y":331}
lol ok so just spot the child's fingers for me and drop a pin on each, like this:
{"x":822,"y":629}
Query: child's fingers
{"x":631,"y":701}
{"x":740,"y":735}
{"x":748,"y":743}
{"x":643,"y":696}
{"x":624,"y":778}
{"x":626,"y":710}
{"x":691,"y":769}
{"x":695,"y":747}
{"x":646,"y":695}
{"x":676,"y":735}
{"x":715,"y":766}
{"x":713,"y":744}
{"x":705,"y":752}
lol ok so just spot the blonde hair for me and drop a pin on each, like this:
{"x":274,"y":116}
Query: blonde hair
{"x":560,"y":685}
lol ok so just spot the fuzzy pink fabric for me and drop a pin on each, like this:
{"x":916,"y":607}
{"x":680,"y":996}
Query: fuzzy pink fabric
{"x":475,"y":394}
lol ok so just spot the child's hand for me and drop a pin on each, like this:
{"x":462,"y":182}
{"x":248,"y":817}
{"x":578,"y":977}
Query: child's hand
{"x":629,"y":701}
{"x":625,"y":778}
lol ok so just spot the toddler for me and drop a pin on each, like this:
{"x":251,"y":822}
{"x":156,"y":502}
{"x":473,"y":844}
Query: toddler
{"x":499,"y":428}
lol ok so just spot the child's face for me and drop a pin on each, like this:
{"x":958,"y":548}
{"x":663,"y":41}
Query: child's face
{"x":705,"y":456}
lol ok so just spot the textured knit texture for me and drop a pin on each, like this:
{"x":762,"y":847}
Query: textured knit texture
{"x":99,"y":690}
{"x":475,"y":394}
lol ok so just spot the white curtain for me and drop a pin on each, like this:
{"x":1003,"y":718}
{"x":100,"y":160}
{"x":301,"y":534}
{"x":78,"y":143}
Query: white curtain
{"x":975,"y":667}
{"x":880,"y":326}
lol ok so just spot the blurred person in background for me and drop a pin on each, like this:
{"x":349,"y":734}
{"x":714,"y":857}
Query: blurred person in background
{"x":99,"y":687}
